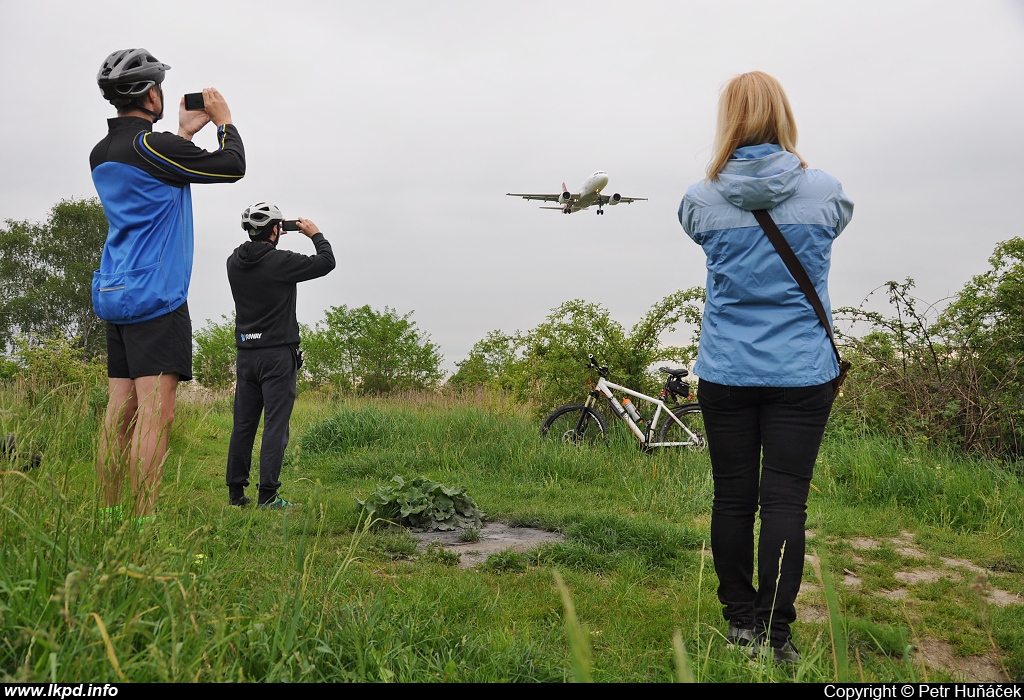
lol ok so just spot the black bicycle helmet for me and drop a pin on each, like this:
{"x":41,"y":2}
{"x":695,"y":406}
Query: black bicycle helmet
{"x":127,"y":75}
{"x":256,"y":218}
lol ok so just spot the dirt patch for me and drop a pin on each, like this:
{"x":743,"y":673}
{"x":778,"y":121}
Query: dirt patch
{"x":494,"y":538}
{"x":964,"y":564}
{"x":1003,"y":598}
{"x":864,"y":543}
{"x":812,"y":613}
{"x":898,"y":594}
{"x":987,"y":668}
{"x":910,"y":552}
{"x":920,"y":576}
{"x":850,"y":579}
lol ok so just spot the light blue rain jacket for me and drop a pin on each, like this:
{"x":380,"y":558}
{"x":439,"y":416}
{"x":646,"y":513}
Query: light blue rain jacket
{"x":759,"y":328}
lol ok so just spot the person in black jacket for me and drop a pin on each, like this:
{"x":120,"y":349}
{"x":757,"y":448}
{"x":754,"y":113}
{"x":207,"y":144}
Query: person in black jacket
{"x":263,"y":281}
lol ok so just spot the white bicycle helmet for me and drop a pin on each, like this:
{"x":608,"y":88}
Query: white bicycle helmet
{"x":129,"y":74}
{"x":257,"y":217}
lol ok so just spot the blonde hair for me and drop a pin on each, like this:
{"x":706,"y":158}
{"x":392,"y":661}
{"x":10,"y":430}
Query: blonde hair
{"x":753,"y":109}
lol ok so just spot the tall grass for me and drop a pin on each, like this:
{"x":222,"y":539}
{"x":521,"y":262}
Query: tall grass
{"x":217,"y":593}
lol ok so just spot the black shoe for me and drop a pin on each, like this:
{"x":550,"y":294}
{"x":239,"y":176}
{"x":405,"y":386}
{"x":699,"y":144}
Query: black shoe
{"x":786,"y":655}
{"x":740,"y":636}
{"x":279,"y":504}
{"x":240,"y":501}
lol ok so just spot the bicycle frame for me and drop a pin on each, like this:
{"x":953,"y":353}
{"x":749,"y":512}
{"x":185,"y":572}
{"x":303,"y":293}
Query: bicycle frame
{"x":604,"y":388}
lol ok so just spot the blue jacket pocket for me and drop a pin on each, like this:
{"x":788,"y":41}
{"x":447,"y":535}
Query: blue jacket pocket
{"x":129,"y":297}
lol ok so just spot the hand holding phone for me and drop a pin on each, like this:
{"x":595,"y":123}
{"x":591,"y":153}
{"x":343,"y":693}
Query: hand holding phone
{"x":289,"y":225}
{"x":194,"y":102}
{"x":307,"y":227}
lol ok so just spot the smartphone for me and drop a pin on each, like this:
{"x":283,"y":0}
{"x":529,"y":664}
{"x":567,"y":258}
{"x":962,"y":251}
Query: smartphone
{"x":194,"y":102}
{"x":289,"y":225}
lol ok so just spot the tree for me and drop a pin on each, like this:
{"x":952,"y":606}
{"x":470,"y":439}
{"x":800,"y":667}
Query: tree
{"x":953,"y":377}
{"x":214,"y":362}
{"x":548,"y":364}
{"x":491,"y":361}
{"x":46,"y":276}
{"x":372,"y":352}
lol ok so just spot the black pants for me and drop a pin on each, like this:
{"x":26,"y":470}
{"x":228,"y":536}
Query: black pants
{"x":265,"y":385}
{"x":763,"y":442}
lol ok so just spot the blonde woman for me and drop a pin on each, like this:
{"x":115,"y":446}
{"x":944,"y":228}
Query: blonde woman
{"x":766,"y":366}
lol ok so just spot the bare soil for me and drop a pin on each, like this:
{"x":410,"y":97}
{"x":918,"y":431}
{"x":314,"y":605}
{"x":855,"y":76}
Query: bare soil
{"x":932,"y":653}
{"x":985,"y":668}
{"x":494,"y":538}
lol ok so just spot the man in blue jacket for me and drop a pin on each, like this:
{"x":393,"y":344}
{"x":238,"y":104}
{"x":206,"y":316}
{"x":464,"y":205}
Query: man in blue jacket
{"x":142,"y":178}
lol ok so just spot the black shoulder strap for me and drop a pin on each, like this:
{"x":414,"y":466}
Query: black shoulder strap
{"x":796,"y":269}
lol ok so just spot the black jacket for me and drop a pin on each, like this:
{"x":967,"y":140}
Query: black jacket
{"x":263,"y":281}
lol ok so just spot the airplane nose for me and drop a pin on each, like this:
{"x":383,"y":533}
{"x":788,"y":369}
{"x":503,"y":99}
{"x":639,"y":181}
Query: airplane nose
{"x":602,"y":180}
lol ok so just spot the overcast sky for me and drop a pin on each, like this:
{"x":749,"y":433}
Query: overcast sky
{"x":398,"y":127}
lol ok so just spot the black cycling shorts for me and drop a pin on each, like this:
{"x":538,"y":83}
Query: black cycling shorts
{"x":162,"y":345}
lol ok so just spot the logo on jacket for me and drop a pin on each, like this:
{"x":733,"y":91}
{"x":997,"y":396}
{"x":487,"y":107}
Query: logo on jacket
{"x":251,"y":336}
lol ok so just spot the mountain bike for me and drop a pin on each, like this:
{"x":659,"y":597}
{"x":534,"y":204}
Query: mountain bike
{"x":580,"y":423}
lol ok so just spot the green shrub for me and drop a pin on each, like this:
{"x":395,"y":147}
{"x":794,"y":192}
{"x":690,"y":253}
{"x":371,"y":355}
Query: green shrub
{"x":548,"y":364}
{"x":953,"y":377}
{"x":214,"y":362}
{"x":371,"y":352}
{"x":423,"y":504}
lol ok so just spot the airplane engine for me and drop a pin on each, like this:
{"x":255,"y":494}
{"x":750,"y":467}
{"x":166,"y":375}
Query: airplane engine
{"x":566,"y":197}
{"x":614,"y":199}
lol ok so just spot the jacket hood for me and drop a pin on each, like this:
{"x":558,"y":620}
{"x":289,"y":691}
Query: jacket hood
{"x":759,"y":177}
{"x":250,"y":253}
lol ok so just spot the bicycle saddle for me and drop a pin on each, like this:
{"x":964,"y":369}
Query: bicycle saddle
{"x":674,"y":372}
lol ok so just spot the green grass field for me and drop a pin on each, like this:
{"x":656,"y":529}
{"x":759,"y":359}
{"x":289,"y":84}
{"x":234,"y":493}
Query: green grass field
{"x":214,"y":593}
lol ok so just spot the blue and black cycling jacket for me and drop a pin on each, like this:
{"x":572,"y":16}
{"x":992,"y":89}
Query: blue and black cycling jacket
{"x":143,"y":179}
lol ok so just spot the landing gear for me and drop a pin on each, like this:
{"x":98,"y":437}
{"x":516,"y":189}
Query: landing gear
{"x":600,"y":212}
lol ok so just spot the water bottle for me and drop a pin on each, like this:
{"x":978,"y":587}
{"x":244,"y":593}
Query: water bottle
{"x":631,"y":410}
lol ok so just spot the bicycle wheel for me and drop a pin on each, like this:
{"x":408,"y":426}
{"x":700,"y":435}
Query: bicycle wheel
{"x":691,"y":417}
{"x":575,"y":424}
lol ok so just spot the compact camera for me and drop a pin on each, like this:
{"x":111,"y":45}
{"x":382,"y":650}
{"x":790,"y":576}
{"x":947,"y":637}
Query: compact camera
{"x":194,"y":102}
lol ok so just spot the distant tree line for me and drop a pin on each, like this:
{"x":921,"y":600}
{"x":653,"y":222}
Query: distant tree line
{"x":46,"y":277}
{"x":951,"y":376}
{"x":354,"y":350}
{"x":47,"y":319}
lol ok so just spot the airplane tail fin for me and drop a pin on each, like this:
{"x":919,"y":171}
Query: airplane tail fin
{"x":564,"y":188}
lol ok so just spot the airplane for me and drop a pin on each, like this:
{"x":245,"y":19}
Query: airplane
{"x":589,"y":194}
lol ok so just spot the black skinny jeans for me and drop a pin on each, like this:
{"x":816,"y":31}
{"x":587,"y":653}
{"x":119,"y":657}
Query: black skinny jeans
{"x":763,"y":442}
{"x":265,"y":382}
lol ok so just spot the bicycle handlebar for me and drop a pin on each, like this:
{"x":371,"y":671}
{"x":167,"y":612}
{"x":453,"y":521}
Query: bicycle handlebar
{"x":601,"y":369}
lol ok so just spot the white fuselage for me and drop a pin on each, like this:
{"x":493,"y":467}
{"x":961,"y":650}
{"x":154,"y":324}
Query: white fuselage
{"x":590,"y":189}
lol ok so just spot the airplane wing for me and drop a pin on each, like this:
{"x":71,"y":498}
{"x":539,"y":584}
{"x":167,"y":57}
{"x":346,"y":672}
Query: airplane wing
{"x":541,"y":197}
{"x":604,"y":199}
